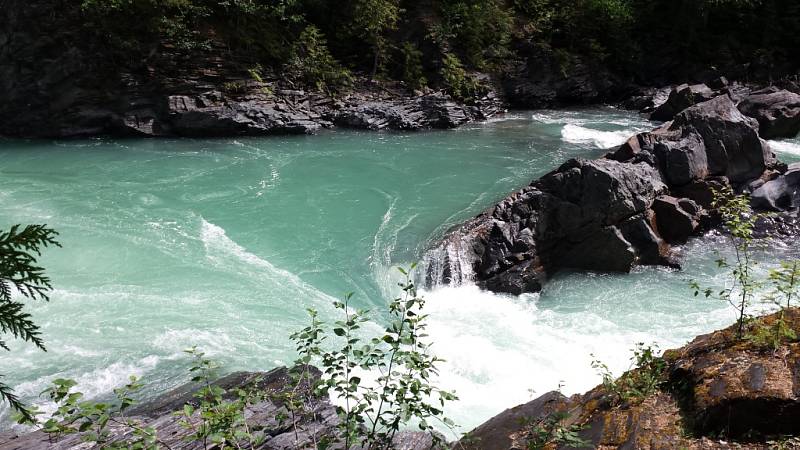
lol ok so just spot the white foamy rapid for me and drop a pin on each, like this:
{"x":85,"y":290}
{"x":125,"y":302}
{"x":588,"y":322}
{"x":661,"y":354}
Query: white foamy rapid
{"x":601,"y":129}
{"x":787,"y":147}
{"x":577,"y":134}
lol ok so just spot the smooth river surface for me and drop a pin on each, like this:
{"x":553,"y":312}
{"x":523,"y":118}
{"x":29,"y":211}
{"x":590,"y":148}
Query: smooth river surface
{"x":224,"y":243}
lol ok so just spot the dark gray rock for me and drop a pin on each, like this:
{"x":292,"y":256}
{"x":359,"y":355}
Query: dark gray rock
{"x":777,"y":112}
{"x":675,"y":224}
{"x":566,"y":219}
{"x":542,"y":80}
{"x":606,"y":250}
{"x":262,"y":417}
{"x":733,"y":146}
{"x":498,"y":433}
{"x":680,"y":98}
{"x":429,"y":111}
{"x":684,"y":160}
{"x":780,"y":194}
{"x":611,"y":213}
{"x":702,"y":191}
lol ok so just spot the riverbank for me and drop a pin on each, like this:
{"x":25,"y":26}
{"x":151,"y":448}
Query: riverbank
{"x":717,"y":392}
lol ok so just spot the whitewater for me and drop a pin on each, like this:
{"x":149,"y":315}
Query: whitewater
{"x":223,"y":244}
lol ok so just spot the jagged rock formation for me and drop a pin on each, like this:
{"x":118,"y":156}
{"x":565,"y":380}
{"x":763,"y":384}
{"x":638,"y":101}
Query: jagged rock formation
{"x":777,"y":112}
{"x":681,"y":98}
{"x":718,"y":392}
{"x":611,"y":213}
{"x":263,"y":418}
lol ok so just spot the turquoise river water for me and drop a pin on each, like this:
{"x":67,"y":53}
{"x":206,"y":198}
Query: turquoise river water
{"x":224,"y":243}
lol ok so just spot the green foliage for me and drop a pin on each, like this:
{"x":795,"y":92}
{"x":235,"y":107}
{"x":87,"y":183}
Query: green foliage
{"x":373,"y":412}
{"x":738,"y":220}
{"x":94,"y":419}
{"x":413,"y":72}
{"x":314,"y":65}
{"x":234,"y":87}
{"x":648,"y":39}
{"x":479,"y":29}
{"x":215,"y":421}
{"x":403,"y":393}
{"x":635,"y":385}
{"x":785,"y":281}
{"x":552,"y":430}
{"x":595,"y":28}
{"x":19,"y":270}
{"x":375,"y":18}
{"x":456,"y":79}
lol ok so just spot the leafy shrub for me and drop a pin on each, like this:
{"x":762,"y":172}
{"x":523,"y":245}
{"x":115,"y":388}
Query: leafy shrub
{"x":314,"y":65}
{"x":456,"y":80}
{"x":738,"y":220}
{"x":635,"y":385}
{"x":479,"y":29}
{"x":412,"y":71}
{"x":371,"y":416}
{"x":551,"y":430}
{"x":785,"y":282}
{"x":404,"y":392}
{"x":234,"y":87}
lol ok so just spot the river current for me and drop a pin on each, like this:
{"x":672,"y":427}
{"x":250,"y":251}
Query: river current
{"x":223,"y":244}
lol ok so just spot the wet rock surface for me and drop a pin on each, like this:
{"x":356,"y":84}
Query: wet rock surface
{"x":612,"y":213}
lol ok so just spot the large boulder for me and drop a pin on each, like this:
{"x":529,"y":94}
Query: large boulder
{"x":587,"y":214}
{"x":777,"y":112}
{"x":680,"y":98}
{"x":213,"y":115}
{"x":779,"y":194}
{"x":675,"y":223}
{"x":733,"y":146}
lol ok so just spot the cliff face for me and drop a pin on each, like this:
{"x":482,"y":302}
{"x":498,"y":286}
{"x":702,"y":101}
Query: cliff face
{"x":717,"y":392}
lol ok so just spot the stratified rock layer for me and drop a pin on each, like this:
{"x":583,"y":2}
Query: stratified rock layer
{"x":263,"y":418}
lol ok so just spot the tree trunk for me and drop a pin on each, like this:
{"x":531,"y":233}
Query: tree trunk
{"x":374,"y":63}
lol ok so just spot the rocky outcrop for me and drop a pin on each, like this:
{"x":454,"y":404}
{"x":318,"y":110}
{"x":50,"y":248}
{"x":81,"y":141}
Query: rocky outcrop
{"x":680,"y":98}
{"x":268,"y":419}
{"x":612,"y":213}
{"x":57,"y":80}
{"x":777,"y":112}
{"x":717,"y":392}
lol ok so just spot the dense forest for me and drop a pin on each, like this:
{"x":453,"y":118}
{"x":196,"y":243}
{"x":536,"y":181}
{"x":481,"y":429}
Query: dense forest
{"x":322,"y":42}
